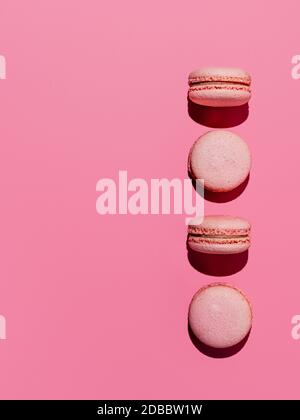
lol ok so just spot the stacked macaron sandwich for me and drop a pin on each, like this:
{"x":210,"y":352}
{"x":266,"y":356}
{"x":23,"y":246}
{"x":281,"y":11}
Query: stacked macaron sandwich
{"x":220,"y":315}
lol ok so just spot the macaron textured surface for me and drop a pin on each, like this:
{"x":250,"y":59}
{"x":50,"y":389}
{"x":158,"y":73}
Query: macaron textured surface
{"x":219,"y":235}
{"x":219,"y":86}
{"x":221,"y":158}
{"x":220,"y":315}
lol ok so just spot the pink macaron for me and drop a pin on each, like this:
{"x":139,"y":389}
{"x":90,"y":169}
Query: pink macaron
{"x":219,"y":235}
{"x":220,"y":315}
{"x":219,"y":86}
{"x":221,"y":158}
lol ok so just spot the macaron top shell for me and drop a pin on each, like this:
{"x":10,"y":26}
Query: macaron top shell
{"x":219,"y":74}
{"x":220,"y":225}
{"x":220,"y":315}
{"x":221,"y":158}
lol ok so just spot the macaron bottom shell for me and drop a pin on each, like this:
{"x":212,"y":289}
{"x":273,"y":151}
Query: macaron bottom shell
{"x":221,"y":96}
{"x":218,"y":246}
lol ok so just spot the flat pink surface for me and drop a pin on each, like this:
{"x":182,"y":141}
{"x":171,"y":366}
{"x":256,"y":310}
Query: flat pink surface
{"x":96,"y":306}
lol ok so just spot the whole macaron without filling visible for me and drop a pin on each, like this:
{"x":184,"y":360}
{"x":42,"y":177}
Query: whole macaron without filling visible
{"x":221,"y":158}
{"x":220,"y":315}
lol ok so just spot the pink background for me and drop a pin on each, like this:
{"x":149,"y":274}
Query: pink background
{"x":96,"y":306}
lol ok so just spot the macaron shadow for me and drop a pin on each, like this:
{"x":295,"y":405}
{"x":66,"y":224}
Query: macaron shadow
{"x":222,"y":197}
{"x":218,"y":265}
{"x":218,"y":117}
{"x":217,"y":353}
